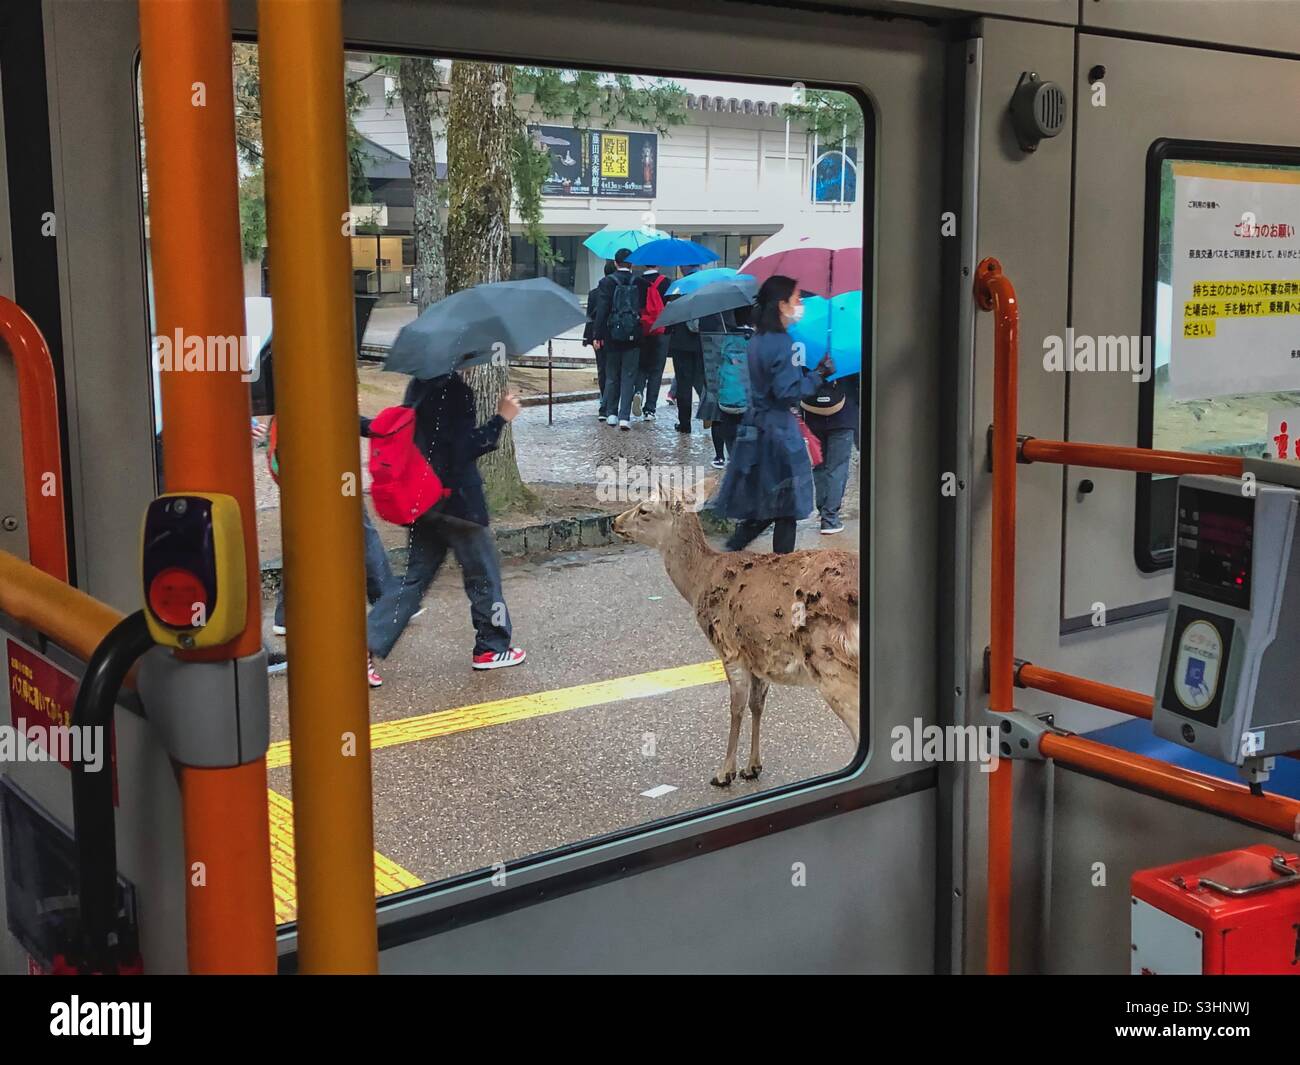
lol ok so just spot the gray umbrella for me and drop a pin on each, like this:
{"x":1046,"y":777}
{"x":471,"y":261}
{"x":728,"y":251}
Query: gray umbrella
{"x":470,"y":326}
{"x":713,"y":298}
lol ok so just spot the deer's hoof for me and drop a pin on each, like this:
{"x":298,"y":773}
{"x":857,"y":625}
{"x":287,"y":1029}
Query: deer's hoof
{"x":723,"y":782}
{"x":751,"y":772}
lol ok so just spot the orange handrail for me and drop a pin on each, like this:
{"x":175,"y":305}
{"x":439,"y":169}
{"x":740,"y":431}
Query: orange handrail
{"x":198,"y":293}
{"x":55,"y":609}
{"x":1092,"y":692}
{"x":1139,"y":459}
{"x":38,"y":414}
{"x":1273,"y":812}
{"x":1068,"y":686}
{"x":994,"y":292}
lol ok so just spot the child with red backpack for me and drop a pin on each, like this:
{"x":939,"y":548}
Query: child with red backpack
{"x":423,"y":465}
{"x":654,"y":343}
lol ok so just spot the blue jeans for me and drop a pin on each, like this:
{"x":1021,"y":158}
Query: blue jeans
{"x":832,"y":476}
{"x":472,"y":544}
{"x":379,"y":575}
{"x":621,"y":365}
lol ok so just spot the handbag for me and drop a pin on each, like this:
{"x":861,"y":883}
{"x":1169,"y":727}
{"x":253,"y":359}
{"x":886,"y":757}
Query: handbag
{"x":813,"y":444}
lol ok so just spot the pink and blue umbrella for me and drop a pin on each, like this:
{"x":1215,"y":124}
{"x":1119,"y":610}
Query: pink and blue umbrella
{"x":832,"y":327}
{"x":822,"y":253}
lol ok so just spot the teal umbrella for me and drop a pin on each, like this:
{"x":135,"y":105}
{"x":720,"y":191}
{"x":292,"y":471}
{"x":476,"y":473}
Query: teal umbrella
{"x":832,"y":327}
{"x":608,"y":241}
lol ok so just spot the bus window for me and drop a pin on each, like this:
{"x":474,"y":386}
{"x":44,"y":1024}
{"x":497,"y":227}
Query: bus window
{"x":619,"y":715}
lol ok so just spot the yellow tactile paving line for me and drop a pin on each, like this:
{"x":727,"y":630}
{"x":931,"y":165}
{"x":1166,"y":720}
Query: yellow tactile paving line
{"x":519,"y":707}
{"x":391,"y":877}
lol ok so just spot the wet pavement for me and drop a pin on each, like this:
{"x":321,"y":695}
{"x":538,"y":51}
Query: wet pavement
{"x":464,"y":800}
{"x":485,"y":791}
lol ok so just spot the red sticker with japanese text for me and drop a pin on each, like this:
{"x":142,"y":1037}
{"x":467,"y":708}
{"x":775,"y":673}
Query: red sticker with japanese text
{"x":41,"y":697}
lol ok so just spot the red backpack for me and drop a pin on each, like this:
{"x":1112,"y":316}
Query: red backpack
{"x":403,"y":485}
{"x":273,"y":452}
{"x":654,"y":306}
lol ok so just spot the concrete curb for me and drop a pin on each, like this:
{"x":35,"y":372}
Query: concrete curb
{"x":526,"y":541}
{"x":559,"y":397}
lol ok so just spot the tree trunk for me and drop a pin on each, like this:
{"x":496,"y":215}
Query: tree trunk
{"x":417,"y":83}
{"x":481,"y":127}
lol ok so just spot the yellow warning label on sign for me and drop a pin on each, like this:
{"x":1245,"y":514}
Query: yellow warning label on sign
{"x":1195,"y":330}
{"x":1217,"y":289}
{"x":1256,"y":308}
{"x":613,"y":155}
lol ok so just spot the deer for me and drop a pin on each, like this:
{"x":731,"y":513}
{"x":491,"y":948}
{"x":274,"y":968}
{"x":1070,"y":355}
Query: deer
{"x":772,"y":619}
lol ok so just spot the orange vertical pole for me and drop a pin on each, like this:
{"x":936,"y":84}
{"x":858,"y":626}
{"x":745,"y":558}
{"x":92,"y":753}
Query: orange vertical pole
{"x":304,"y":132}
{"x":198,"y":296}
{"x":38,"y":412}
{"x":994,"y":292}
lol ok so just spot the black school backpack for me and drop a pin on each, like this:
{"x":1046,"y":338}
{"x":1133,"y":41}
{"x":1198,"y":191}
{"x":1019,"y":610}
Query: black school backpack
{"x":624,"y":323}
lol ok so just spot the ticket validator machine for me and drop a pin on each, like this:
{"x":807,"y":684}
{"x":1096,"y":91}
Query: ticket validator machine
{"x":1229,"y":682}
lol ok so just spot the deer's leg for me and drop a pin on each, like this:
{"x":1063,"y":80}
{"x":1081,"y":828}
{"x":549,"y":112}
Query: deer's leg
{"x":846,"y":709}
{"x":738,"y":681}
{"x":757,"y":700}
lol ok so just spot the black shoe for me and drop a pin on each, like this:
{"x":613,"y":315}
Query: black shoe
{"x":276,"y":662}
{"x":684,"y":429}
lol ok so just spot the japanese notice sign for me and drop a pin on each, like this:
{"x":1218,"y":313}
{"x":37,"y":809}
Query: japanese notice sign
{"x":1235,"y":279}
{"x":41,"y":698}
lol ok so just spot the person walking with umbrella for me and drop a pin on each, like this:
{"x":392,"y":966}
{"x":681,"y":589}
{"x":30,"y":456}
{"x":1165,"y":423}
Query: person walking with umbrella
{"x":447,"y":434}
{"x":769,"y":478}
{"x":469,"y":327}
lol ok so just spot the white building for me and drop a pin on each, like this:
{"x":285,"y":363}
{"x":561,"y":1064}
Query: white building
{"x":734,"y":173}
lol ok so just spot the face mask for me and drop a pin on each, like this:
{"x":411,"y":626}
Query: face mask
{"x":796,"y":314}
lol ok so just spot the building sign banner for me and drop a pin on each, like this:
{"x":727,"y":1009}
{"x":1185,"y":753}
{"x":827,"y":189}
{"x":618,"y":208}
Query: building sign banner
{"x":598,"y":162}
{"x":1235,"y":279}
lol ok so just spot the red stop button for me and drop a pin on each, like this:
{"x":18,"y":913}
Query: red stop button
{"x":173,"y":595}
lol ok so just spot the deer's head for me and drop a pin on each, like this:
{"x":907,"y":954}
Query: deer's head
{"x":655,"y":521}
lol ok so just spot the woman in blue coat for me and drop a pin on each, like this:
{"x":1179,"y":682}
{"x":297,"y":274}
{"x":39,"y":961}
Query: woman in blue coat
{"x":769,"y":478}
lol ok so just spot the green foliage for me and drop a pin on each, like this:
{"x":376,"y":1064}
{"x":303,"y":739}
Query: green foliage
{"x":530,"y":166}
{"x":252,"y":213}
{"x":587,"y":98}
{"x":248,"y":146}
{"x":834,"y":117}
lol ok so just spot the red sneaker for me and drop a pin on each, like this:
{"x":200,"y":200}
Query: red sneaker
{"x":499,"y":659}
{"x":373,"y":678}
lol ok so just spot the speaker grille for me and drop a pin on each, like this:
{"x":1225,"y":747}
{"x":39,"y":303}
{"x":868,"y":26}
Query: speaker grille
{"x":1051,"y":109}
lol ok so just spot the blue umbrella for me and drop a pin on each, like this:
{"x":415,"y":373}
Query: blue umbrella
{"x":700,"y":278}
{"x":832,"y":326}
{"x":608,"y":241}
{"x":672,"y":251}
